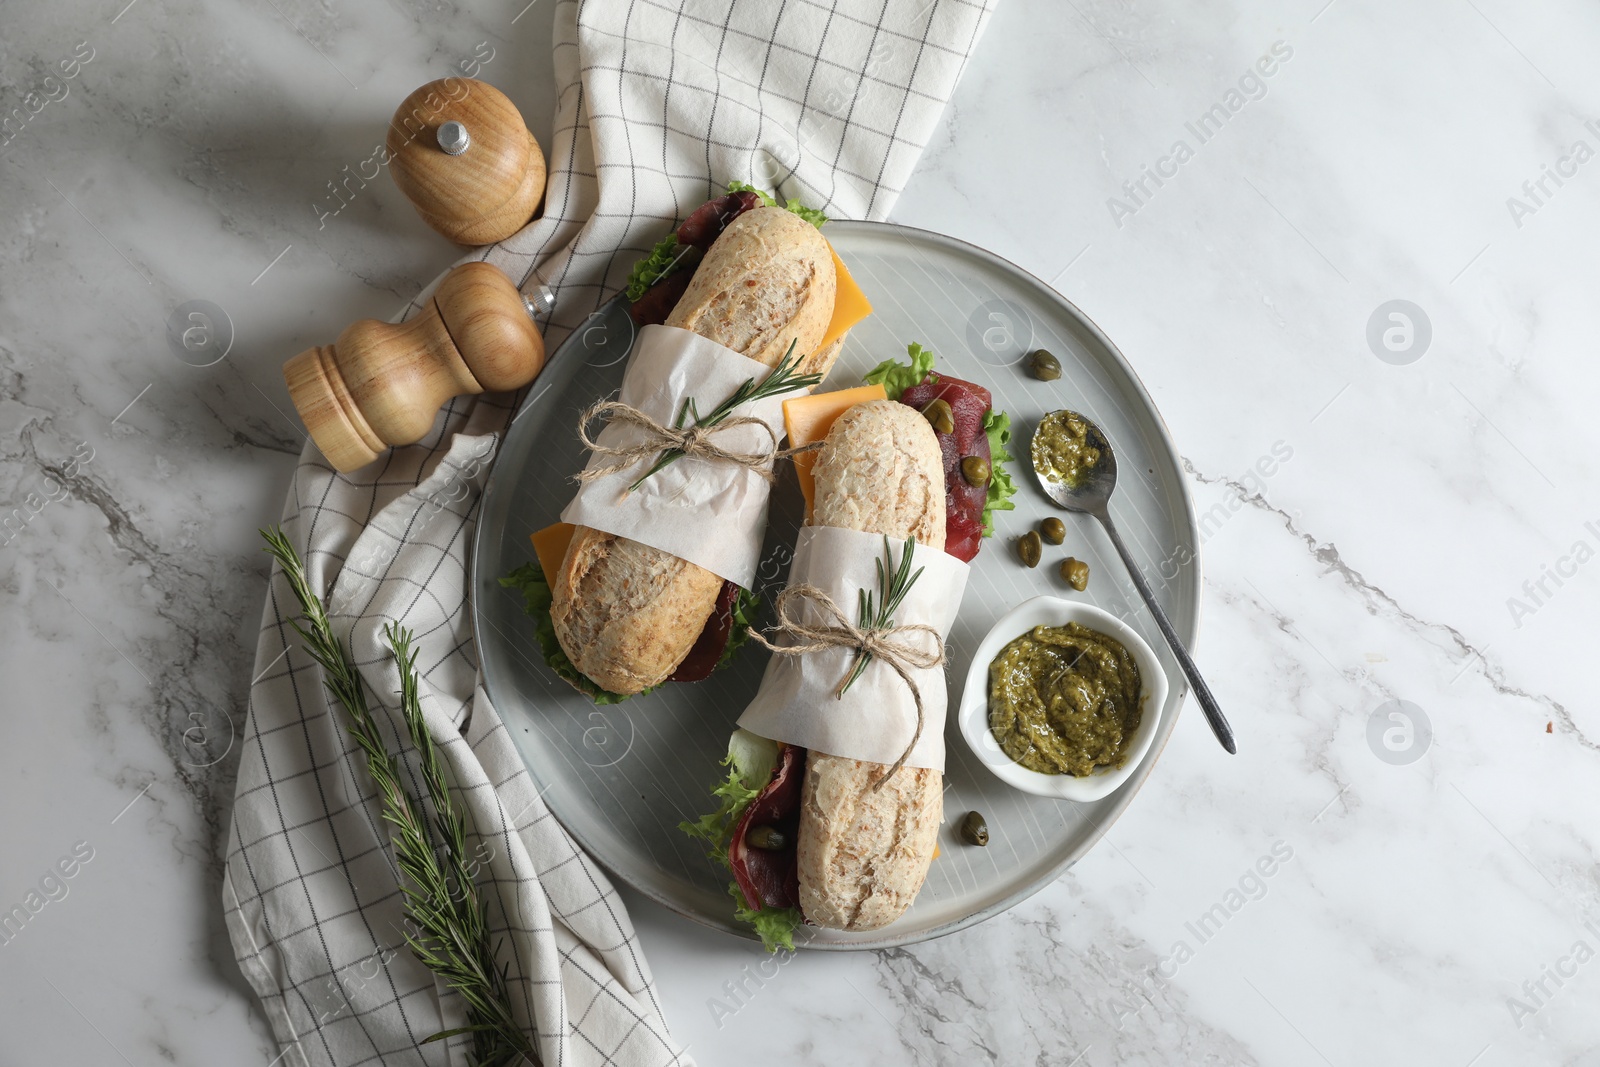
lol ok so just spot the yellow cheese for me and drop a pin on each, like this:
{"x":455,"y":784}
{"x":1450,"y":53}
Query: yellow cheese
{"x":550,"y":545}
{"x":850,"y":304}
{"x":807,"y":419}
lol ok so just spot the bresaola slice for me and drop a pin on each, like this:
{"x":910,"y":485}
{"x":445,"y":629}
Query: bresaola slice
{"x":706,"y":223}
{"x":964,"y":502}
{"x":770,"y":878}
{"x":707,"y":649}
{"x":699,"y":231}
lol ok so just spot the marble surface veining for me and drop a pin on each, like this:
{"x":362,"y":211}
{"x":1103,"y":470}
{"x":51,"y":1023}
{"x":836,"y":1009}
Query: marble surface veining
{"x":1421,"y":527}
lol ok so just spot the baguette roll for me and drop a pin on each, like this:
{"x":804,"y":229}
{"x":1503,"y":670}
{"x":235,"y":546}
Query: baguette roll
{"x":863,"y":853}
{"x":626,"y":614}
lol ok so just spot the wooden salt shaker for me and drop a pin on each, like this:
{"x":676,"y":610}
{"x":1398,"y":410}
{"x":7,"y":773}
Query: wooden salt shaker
{"x":462,"y":155}
{"x":382,"y":384}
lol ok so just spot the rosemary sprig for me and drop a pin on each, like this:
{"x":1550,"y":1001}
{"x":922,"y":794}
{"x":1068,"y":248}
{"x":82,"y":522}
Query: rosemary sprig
{"x":781,"y":380}
{"x":877,"y":612}
{"x":442,"y":901}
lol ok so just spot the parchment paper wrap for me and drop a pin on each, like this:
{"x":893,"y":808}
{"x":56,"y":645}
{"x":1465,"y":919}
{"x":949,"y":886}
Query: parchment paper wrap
{"x":708,"y":512}
{"x":876,"y":718}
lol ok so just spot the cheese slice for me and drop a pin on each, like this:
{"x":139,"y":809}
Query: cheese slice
{"x":850,"y":304}
{"x":807,"y":419}
{"x":550,"y":545}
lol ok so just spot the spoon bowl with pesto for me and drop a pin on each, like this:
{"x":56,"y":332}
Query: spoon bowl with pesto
{"x":1075,"y":685}
{"x":1077,"y":469}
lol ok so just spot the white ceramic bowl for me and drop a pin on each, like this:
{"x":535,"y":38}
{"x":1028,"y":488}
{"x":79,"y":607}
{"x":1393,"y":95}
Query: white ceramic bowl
{"x":973,"y":715}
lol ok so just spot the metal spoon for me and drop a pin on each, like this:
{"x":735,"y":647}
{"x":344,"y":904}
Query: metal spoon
{"x":1091,"y":496}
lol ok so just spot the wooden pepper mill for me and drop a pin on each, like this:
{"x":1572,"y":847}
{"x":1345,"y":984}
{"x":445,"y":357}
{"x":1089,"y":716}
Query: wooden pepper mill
{"x":381,"y":384}
{"x":460,"y":152}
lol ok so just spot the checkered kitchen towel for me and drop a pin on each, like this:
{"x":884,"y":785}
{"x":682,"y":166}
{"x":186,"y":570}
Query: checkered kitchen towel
{"x":661,"y":103}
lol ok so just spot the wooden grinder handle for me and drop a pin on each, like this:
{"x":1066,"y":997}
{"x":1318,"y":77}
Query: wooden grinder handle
{"x":381,"y":384}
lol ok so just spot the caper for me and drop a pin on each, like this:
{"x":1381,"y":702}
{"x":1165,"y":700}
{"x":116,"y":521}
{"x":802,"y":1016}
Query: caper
{"x":974,"y":831}
{"x":1030,"y":549}
{"x":939,"y":414}
{"x":1043,"y":365}
{"x":766,"y":838}
{"x":975,"y":469}
{"x":1075,"y":572}
{"x":1053,"y":530}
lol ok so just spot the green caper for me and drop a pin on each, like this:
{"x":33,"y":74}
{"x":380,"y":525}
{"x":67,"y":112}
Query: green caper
{"x":1043,"y":366}
{"x":1053,"y":530}
{"x":766,"y":838}
{"x":939,"y":414}
{"x":1075,"y":572}
{"x":974,"y":831}
{"x":1030,"y":549}
{"x":976,"y":470}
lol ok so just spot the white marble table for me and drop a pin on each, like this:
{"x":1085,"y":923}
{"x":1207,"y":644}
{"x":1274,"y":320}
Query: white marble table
{"x":1426,"y":532}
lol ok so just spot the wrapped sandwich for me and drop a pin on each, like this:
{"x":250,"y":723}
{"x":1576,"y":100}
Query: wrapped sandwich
{"x":830,"y":811}
{"x":646,"y":580}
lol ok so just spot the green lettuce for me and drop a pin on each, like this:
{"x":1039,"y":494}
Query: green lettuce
{"x":775,"y":926}
{"x":535,"y":589}
{"x":745,"y":608}
{"x":896,"y":377}
{"x":716,"y":829}
{"x":997,"y":427}
{"x":751,"y":759}
{"x":810,"y":214}
{"x":654,"y":267}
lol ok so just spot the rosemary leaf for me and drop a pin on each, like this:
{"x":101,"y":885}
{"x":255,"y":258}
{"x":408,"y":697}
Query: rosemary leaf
{"x":781,"y":380}
{"x":451,"y":936}
{"x":877,"y":612}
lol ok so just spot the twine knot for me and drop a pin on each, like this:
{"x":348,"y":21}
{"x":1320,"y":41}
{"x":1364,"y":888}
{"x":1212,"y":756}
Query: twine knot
{"x":693,"y":440}
{"x":886,"y":644}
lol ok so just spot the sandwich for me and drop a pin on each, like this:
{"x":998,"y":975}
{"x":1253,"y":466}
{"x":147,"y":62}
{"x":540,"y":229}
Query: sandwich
{"x":614,"y":617}
{"x":808,"y":836}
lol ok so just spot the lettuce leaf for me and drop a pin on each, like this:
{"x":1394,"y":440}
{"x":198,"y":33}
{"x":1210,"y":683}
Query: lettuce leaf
{"x":810,"y":214}
{"x":752,"y":759}
{"x":654,"y":267}
{"x":535,"y":589}
{"x":716,"y":829}
{"x":997,"y":427}
{"x":775,"y":926}
{"x":745,"y":608}
{"x":897,"y":377}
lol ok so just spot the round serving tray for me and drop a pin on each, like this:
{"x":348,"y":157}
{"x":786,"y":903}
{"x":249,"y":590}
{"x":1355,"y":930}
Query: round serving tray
{"x":620,"y":778}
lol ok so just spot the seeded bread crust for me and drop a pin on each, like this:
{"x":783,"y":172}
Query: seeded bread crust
{"x":767,"y":281}
{"x":863,"y":852}
{"x":879,"y":470}
{"x":625,"y":614}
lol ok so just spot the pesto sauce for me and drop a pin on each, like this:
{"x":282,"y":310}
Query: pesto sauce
{"x":1061,"y":448}
{"x":1065,"y":700}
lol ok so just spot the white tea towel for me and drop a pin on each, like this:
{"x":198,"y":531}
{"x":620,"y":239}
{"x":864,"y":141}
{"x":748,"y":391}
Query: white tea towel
{"x":661,"y":103}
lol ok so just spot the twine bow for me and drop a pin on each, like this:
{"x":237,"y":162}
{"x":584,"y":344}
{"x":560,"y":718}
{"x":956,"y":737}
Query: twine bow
{"x":676,"y":441}
{"x":884,"y":644}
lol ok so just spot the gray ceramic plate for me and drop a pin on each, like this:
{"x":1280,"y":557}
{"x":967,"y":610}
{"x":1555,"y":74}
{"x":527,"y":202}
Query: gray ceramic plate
{"x":621,"y":778}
